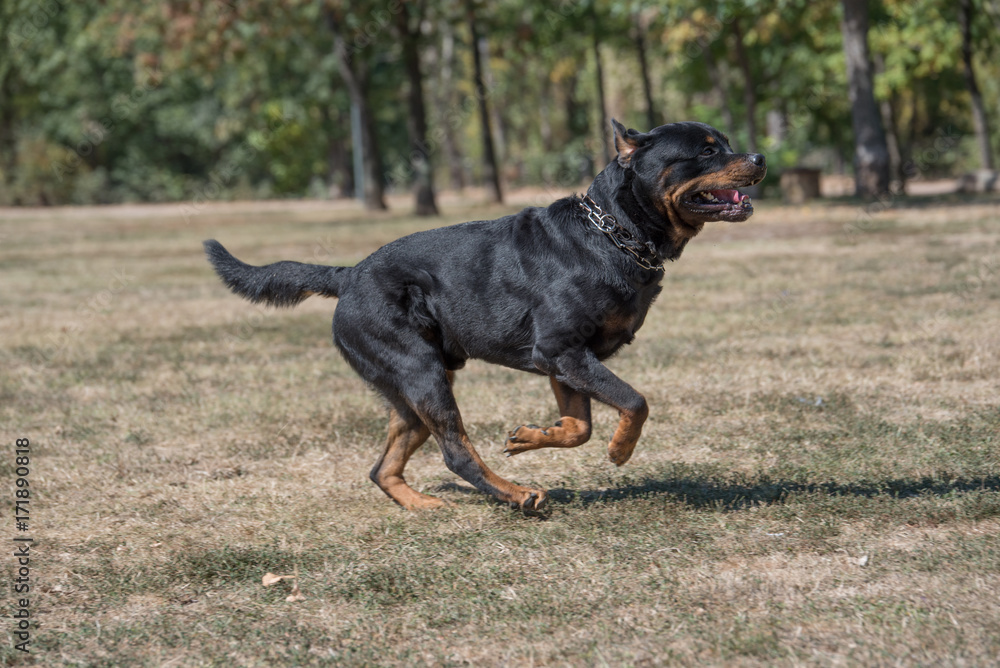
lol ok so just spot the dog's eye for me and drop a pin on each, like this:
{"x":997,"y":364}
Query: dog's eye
{"x":709,"y":151}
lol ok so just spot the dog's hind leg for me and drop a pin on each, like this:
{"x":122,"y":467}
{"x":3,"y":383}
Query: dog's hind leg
{"x":406,"y":434}
{"x":405,"y":367}
{"x":570,"y":430}
{"x":434,"y":402}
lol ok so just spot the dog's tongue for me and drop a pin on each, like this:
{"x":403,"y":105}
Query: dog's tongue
{"x":732,"y":196}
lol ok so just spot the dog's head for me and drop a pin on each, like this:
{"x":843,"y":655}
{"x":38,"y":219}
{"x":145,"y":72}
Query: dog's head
{"x":689,"y":172}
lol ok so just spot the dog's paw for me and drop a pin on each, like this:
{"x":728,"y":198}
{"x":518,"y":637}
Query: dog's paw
{"x":424,"y":502}
{"x":567,"y":432}
{"x":619,"y":453}
{"x":524,"y":438}
{"x":533,"y":501}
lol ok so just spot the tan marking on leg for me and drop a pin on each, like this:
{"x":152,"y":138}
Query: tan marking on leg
{"x":403,"y":440}
{"x":567,"y":433}
{"x":526,"y":498}
{"x":462,"y":459}
{"x":627,"y":434}
{"x":570,"y":430}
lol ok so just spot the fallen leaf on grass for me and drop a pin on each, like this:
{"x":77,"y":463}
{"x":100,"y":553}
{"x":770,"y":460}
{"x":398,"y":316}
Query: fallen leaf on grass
{"x":295,"y":596}
{"x":270,"y":579}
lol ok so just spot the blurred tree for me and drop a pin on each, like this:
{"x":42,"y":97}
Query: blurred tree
{"x":490,"y":172}
{"x":352,"y":62}
{"x":639,"y":37}
{"x":9,"y":83}
{"x":966,"y":16}
{"x":408,"y":22}
{"x":871,"y":156}
{"x":112,"y":100}
{"x":749,"y":84}
{"x":887,"y":110}
{"x":446,"y":102}
{"x":602,"y":109}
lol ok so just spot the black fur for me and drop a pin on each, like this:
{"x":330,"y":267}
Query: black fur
{"x":279,"y":284}
{"x":542,"y":291}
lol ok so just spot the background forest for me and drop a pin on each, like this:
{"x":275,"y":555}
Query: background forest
{"x":118,"y":101}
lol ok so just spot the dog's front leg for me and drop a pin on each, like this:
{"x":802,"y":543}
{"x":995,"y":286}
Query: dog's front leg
{"x":570,"y":430}
{"x":580,"y":369}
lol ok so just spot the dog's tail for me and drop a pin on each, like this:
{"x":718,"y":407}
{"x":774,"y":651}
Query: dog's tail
{"x":278,"y":284}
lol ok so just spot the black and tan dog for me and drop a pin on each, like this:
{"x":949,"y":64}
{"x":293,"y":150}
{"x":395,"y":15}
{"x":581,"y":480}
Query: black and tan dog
{"x":551,"y":291}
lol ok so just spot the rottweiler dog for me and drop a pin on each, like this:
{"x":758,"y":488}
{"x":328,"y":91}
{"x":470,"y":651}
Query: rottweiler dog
{"x":551,"y":291}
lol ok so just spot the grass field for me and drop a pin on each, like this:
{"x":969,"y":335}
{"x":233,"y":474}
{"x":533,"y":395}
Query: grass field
{"x":818,"y":482}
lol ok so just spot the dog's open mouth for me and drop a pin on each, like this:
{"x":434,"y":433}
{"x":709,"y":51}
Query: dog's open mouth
{"x":731,"y":205}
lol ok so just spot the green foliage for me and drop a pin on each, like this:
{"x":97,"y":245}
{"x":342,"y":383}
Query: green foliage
{"x":117,"y":101}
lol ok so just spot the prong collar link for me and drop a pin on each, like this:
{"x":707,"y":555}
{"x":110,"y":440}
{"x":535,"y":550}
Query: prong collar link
{"x":641,"y":253}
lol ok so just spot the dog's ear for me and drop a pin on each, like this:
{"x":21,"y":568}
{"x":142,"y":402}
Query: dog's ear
{"x":626,"y":142}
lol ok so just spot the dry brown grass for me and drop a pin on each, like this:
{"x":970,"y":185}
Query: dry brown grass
{"x":818,"y":396}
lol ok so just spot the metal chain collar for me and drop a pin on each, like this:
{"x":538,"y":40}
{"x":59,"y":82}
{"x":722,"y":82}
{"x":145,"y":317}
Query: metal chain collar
{"x":640,"y":253}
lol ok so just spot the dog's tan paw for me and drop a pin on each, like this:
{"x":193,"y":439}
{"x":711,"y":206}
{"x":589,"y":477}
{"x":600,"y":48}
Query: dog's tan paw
{"x":567,"y":432}
{"x":619,"y":453}
{"x":532,"y":501}
{"x":425,"y":503}
{"x":524,"y":438}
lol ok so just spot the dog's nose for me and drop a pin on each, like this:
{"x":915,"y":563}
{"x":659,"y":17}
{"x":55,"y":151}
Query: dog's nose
{"x":758,"y":159}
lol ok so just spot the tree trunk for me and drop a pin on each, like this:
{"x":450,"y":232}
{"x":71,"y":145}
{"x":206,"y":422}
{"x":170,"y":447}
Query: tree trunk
{"x":490,"y":173}
{"x":340,"y":179}
{"x":647,"y":87}
{"x":416,"y":120}
{"x":578,"y":125}
{"x":545,"y":114}
{"x":446,"y":108}
{"x":871,"y":155}
{"x":355,"y":76}
{"x":715,"y":74}
{"x":909,"y":166}
{"x":978,"y":111}
{"x":496,"y":116}
{"x":602,"y":114}
{"x":8,"y":143}
{"x":749,"y":88}
{"x":897,"y":180}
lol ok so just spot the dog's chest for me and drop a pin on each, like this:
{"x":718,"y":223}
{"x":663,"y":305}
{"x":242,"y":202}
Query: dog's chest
{"x":621,"y":322}
{"x":613,"y":335}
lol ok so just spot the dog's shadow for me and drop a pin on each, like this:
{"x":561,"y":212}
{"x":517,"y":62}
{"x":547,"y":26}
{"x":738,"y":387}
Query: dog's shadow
{"x":700,"y":492}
